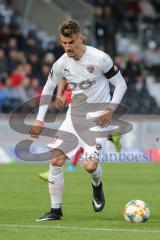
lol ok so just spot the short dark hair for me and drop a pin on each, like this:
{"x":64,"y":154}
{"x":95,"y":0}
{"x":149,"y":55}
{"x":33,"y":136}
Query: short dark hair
{"x":69,"y":27}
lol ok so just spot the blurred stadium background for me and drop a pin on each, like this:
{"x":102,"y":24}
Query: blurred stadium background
{"x":128,"y":30}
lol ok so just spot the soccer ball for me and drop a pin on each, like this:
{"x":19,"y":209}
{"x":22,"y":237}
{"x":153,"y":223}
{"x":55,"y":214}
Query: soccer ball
{"x":136,"y":211}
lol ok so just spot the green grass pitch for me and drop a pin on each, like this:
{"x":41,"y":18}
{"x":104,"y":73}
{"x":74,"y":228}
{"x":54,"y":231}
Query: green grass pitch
{"x":24,"y":197}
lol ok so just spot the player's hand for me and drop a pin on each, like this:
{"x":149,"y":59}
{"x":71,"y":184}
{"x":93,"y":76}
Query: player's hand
{"x":36,"y":129}
{"x":104,"y":120}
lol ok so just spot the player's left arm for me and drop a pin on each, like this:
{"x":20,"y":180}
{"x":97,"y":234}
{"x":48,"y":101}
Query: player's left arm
{"x":114,"y":76}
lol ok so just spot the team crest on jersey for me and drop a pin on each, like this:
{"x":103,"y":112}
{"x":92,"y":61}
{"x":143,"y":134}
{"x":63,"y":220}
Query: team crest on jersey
{"x":90,"y":68}
{"x":98,"y":146}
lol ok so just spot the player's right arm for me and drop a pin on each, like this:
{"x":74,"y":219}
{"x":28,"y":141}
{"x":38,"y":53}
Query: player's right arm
{"x":53,"y":79}
{"x":60,"y":101}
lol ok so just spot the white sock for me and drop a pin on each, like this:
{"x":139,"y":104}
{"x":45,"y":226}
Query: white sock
{"x":97,"y":176}
{"x":56,"y":184}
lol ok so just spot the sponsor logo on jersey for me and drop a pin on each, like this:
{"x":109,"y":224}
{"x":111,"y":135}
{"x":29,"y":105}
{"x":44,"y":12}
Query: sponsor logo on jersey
{"x":90,"y":69}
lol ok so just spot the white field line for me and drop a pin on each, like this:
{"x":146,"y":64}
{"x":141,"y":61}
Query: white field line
{"x":79,"y":228}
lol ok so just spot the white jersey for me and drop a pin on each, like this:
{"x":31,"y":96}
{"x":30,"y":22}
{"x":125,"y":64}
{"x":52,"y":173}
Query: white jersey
{"x":85,"y":76}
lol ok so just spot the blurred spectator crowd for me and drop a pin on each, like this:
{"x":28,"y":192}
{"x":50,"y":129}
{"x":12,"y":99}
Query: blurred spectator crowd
{"x":26,"y":59}
{"x":24,"y":62}
{"x":129,"y":31}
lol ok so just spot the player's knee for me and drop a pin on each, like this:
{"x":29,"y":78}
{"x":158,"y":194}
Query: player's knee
{"x":90,"y":164}
{"x":58,"y":158}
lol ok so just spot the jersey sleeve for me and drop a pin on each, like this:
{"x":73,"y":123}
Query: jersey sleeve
{"x":54,"y":78}
{"x":116,"y":79}
{"x":55,"y":74}
{"x":120,"y":88}
{"x":106,"y":63}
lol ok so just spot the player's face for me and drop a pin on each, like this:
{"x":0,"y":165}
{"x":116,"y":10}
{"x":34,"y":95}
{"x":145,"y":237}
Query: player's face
{"x":72,"y":44}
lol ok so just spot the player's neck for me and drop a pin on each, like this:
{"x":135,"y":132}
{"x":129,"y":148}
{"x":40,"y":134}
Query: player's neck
{"x":80,"y":52}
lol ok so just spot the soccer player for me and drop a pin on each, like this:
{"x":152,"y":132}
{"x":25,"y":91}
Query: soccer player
{"x":78,"y":64}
